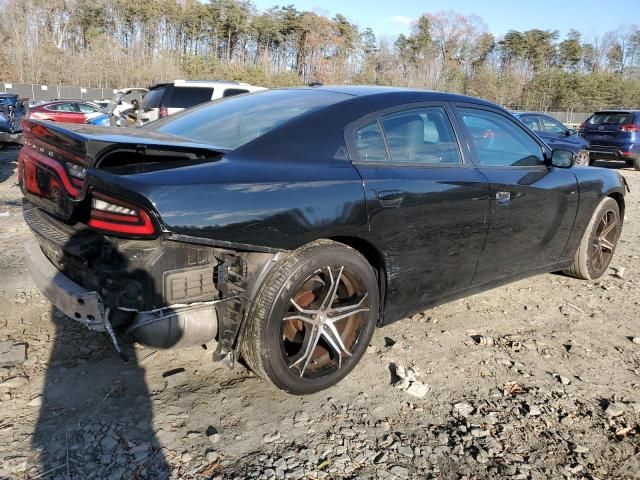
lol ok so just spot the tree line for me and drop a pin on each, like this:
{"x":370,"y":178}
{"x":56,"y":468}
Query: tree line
{"x":118,"y":43}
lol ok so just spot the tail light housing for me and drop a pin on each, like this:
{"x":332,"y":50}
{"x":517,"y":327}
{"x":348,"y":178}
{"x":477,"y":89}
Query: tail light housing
{"x":112,"y":215}
{"x":582,"y":126}
{"x":630,"y":128}
{"x":163,"y":112}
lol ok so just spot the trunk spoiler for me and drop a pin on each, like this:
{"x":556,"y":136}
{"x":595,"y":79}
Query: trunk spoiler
{"x":55,"y":159}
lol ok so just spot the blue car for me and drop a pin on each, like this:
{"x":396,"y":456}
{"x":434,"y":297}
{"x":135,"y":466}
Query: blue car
{"x":614,"y":135}
{"x":11,"y":114}
{"x":556,"y":134}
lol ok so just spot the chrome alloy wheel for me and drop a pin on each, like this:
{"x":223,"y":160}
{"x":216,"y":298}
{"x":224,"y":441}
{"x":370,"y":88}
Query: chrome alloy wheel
{"x":324,"y":322}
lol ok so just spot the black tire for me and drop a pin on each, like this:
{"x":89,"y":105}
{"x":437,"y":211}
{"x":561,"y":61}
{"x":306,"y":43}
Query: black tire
{"x":629,"y":162}
{"x":636,"y":163}
{"x":273,"y":342}
{"x":592,"y":258}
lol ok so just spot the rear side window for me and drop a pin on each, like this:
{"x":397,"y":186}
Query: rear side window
{"x":153,"y":98}
{"x":62,"y":107}
{"x":186,"y":97}
{"x":531,"y":122}
{"x":610,"y":118}
{"x":370,"y":143}
{"x":230,"y":92}
{"x":499,"y":141}
{"x":232,"y":122}
{"x":421,"y":136}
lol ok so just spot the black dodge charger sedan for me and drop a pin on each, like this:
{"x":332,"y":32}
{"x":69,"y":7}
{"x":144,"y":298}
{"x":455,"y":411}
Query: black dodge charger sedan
{"x":288,"y":224}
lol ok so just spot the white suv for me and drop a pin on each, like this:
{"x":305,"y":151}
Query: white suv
{"x":166,"y":98}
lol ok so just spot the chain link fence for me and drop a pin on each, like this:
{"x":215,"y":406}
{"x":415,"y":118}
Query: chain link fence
{"x":52,"y":92}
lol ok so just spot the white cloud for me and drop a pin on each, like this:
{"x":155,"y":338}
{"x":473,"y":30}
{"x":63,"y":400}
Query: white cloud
{"x":401,"y":20}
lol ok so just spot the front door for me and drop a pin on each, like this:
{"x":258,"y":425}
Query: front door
{"x":428,"y":209}
{"x":533,"y":204}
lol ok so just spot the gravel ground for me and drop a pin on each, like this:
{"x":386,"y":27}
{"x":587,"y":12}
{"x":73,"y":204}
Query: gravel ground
{"x":539,"y":379}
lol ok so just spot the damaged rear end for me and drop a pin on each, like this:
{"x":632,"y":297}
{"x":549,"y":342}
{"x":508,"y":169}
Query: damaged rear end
{"x":101,"y":253}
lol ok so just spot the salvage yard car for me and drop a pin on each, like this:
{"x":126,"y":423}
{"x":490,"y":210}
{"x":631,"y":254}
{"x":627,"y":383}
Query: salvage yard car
{"x":288,"y":224}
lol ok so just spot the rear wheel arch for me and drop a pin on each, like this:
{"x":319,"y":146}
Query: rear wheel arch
{"x":375,"y":259}
{"x":619,"y":198}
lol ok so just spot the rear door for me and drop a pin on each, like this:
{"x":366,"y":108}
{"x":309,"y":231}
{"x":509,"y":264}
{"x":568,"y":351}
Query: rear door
{"x":427,"y":207}
{"x":533,"y":205}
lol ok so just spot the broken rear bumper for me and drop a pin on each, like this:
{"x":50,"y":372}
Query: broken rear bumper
{"x":67,"y":296}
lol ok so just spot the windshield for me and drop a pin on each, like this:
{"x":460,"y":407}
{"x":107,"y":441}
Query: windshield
{"x":235,"y":121}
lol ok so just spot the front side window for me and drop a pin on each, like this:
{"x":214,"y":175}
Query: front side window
{"x":370,"y":143}
{"x":423,"y":136}
{"x":499,"y":141}
{"x":551,"y":125}
{"x":62,"y":107}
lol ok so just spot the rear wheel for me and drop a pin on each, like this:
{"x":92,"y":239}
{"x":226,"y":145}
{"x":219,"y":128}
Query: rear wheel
{"x":582,"y":158}
{"x":312,"y":319}
{"x":598,"y":243}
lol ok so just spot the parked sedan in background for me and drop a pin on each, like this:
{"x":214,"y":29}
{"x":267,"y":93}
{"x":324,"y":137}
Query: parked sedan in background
{"x":289,"y":224}
{"x":556,"y":134}
{"x":66,"y":111}
{"x":614,"y":135}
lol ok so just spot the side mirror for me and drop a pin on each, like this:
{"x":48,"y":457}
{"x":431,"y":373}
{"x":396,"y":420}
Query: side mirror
{"x":569,"y":131}
{"x":562,"y":158}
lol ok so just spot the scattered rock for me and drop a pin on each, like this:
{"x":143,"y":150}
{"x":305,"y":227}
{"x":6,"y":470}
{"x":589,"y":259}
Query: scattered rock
{"x":614,"y":410}
{"x":463,"y":408}
{"x":407,"y":380}
{"x":14,"y":382}
{"x":12,"y":354}
{"x":271,"y":437}
{"x":176,"y":377}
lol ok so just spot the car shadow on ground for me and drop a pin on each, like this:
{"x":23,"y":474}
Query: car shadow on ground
{"x":84,"y":372}
{"x":8,"y":160}
{"x":84,"y":376}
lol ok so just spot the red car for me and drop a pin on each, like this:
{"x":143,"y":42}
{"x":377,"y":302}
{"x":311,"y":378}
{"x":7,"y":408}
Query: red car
{"x":68,"y":111}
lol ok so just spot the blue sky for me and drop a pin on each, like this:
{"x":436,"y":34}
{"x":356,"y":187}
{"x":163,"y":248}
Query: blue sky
{"x":591,"y":17}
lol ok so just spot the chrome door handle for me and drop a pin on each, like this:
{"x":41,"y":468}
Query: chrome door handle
{"x":390,"y":198}
{"x":503,"y":198}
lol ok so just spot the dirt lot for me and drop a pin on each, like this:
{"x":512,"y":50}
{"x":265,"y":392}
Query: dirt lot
{"x":539,"y":379}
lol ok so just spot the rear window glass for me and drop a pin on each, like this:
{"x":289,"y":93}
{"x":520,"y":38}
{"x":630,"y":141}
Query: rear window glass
{"x":613,"y":118}
{"x":232,"y":122}
{"x":153,"y":98}
{"x":185,"y":97}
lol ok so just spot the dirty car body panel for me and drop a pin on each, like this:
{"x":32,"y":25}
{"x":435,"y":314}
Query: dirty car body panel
{"x":205,"y":203}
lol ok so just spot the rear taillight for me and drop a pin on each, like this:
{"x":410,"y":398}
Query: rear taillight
{"x":113,"y":215}
{"x":582,"y":126}
{"x":163,"y":112}
{"x":630,"y":128}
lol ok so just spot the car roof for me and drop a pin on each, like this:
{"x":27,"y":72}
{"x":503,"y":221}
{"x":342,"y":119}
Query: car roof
{"x":204,"y":83}
{"x":383,"y":91}
{"x":616,"y":111}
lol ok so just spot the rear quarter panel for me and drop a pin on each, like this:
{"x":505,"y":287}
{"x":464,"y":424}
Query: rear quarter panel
{"x":594,"y":184}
